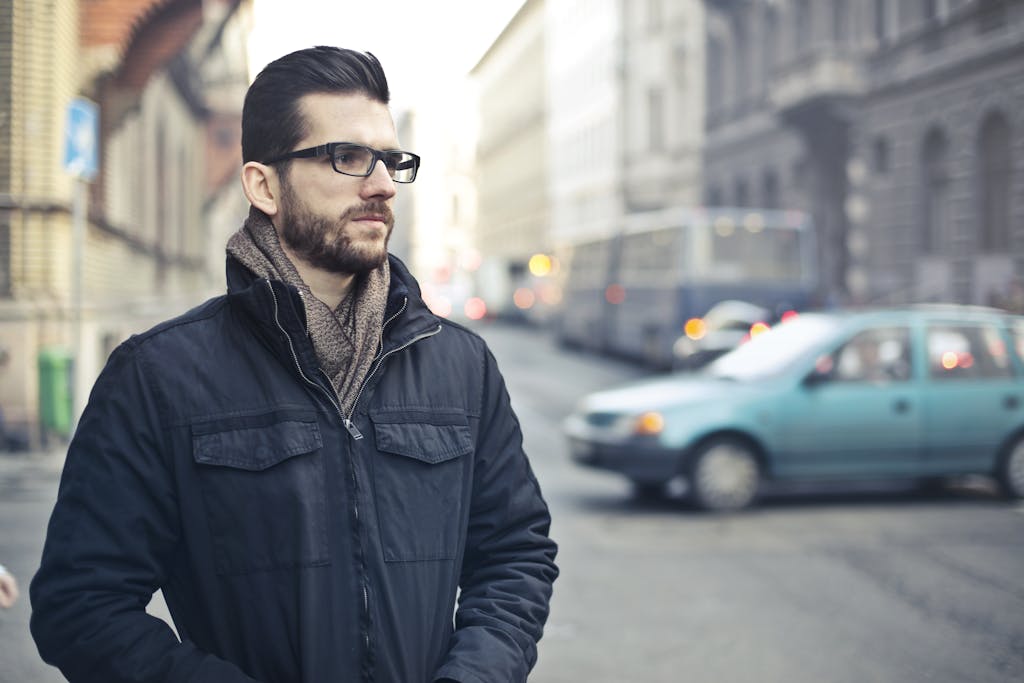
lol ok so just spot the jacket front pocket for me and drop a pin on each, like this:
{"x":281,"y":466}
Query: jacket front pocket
{"x":262,"y":478}
{"x":419,"y":477}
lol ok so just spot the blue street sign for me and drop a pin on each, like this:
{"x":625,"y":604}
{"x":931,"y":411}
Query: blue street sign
{"x":81,"y":139}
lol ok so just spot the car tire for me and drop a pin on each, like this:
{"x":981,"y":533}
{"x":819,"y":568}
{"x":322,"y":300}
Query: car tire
{"x":1010,"y":471}
{"x":725,"y":475}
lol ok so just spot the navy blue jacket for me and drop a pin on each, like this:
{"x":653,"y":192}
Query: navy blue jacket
{"x":294,"y":543}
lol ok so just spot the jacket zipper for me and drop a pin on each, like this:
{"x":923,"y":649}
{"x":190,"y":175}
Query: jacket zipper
{"x":336,"y":402}
{"x":295,"y":357}
{"x":349,"y":425}
{"x":337,"y":406}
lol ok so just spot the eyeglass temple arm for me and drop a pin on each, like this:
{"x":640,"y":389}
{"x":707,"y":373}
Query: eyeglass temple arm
{"x":303,"y":153}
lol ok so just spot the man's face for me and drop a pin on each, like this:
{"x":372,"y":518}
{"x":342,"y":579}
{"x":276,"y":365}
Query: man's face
{"x":334,"y":222}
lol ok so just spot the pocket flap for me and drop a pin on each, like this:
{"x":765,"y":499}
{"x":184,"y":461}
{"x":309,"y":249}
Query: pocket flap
{"x":255,"y":447}
{"x":424,"y":441}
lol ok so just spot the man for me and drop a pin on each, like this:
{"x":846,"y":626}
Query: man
{"x":314,"y":468}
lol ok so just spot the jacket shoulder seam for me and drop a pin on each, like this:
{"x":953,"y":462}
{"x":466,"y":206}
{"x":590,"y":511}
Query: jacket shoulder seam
{"x":212,"y":307}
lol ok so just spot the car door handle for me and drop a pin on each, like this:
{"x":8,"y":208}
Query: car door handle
{"x":901,"y":405}
{"x":1011,"y":402}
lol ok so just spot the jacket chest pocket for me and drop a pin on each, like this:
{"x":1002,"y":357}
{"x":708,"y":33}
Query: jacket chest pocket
{"x":419,"y":476}
{"x":262,"y":479}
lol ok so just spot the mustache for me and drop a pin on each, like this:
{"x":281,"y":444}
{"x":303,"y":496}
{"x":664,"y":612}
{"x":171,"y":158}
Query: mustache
{"x":376,"y":208}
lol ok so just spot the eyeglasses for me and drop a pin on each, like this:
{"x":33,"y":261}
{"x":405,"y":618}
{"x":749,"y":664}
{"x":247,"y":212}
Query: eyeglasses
{"x":358,"y":160}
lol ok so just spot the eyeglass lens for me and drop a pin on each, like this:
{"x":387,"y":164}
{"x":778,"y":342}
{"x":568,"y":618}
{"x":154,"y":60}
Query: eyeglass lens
{"x":359,"y":161}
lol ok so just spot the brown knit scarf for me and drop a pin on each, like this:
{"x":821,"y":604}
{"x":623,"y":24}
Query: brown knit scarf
{"x":346,"y":339}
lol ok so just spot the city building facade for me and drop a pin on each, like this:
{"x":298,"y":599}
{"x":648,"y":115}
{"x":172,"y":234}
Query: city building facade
{"x":897,"y":124}
{"x":435,"y":216}
{"x":512,"y":164}
{"x":663,"y":71}
{"x":161,"y":73}
{"x":584,"y":86}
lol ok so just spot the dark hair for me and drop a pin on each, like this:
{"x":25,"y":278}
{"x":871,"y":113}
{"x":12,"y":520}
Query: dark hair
{"x":272,"y":123}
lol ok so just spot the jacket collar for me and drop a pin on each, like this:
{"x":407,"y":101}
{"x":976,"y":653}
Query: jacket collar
{"x":253,"y":295}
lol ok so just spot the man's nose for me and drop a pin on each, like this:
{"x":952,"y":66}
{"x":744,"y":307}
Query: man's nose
{"x":379,"y":182}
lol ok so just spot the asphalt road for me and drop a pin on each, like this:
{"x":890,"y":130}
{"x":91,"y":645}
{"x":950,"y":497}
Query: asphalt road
{"x":872,"y":584}
{"x":882,"y":585}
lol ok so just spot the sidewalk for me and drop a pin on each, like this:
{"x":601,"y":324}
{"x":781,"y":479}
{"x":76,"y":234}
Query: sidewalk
{"x":48,"y":461}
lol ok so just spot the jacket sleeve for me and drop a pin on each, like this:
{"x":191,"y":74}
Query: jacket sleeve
{"x":509,"y":565}
{"x":109,"y":542}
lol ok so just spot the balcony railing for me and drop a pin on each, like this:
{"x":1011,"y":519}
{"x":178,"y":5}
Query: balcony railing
{"x":821,"y":75}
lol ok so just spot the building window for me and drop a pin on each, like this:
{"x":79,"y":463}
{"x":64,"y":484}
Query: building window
{"x":679,"y":65}
{"x":840,"y":21}
{"x":935,"y":10}
{"x":880,"y":161}
{"x":655,"y":120}
{"x":934,"y":213}
{"x":770,"y":189}
{"x":742,"y":193}
{"x":803,"y":23}
{"x":995,"y":158}
{"x":655,"y":17}
{"x":886,"y":20}
{"x":992,"y":15}
{"x":714,"y":196}
{"x":800,"y":174}
{"x":742,"y":64}
{"x":769,"y":41}
{"x":715,"y":74}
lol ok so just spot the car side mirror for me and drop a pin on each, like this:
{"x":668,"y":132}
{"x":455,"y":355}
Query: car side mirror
{"x":823,"y":372}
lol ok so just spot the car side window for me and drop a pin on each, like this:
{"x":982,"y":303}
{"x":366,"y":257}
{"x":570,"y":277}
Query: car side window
{"x":880,"y":354}
{"x":967,"y":351}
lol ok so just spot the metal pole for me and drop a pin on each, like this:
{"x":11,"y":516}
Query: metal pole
{"x":79,"y":209}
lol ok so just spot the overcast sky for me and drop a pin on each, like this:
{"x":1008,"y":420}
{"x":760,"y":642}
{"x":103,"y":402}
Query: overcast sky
{"x":417,"y":41}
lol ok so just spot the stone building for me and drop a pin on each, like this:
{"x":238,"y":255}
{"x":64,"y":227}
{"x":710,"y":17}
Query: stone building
{"x":512,"y":171}
{"x":662,"y":57}
{"x":583,"y":89}
{"x":898,"y":124}
{"x":165,"y":75}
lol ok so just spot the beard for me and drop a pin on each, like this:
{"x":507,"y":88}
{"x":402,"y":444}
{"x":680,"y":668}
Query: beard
{"x":329,"y":243}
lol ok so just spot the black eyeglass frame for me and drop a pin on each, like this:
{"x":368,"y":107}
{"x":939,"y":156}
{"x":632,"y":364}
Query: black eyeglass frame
{"x":377,"y":154}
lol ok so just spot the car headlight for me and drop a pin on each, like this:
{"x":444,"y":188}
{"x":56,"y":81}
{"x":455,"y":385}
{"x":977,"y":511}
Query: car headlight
{"x":650,"y":423}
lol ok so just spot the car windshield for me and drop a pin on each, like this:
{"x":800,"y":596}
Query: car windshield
{"x":772,"y":352}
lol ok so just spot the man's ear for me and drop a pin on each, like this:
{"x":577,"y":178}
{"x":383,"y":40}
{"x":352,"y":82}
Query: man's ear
{"x":261,"y":187}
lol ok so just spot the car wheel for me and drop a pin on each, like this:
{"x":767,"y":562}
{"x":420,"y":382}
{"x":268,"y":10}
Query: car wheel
{"x":1011,"y":469}
{"x":725,"y":475}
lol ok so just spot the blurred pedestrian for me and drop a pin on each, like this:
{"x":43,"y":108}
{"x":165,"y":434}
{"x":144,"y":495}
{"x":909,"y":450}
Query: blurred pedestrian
{"x":313,"y":467}
{"x":8,"y":588}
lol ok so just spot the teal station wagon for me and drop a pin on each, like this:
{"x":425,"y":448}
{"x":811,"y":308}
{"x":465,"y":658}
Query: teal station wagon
{"x":922,"y":392}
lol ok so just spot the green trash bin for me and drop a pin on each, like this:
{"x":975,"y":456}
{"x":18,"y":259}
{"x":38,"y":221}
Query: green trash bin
{"x":55,"y":390}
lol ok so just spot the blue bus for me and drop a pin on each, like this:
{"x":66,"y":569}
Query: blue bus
{"x":631,"y":294}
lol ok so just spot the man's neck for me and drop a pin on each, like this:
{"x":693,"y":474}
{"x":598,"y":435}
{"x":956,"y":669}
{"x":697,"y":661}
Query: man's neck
{"x":330,"y":288}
